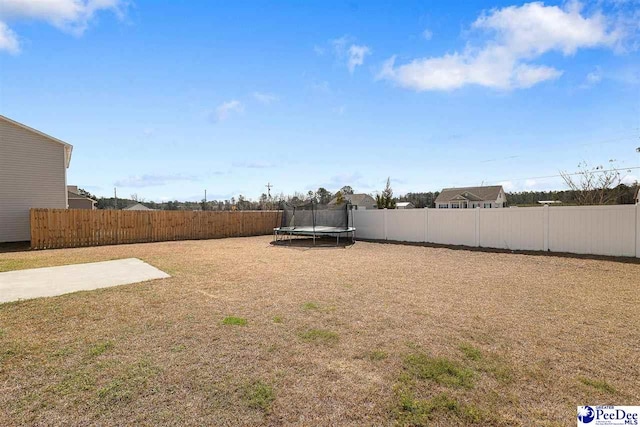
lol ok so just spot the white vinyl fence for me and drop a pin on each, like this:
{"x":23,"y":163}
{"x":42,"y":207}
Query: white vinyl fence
{"x":596,"y":230}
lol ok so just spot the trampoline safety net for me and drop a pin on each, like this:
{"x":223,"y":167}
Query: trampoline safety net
{"x":314,"y":215}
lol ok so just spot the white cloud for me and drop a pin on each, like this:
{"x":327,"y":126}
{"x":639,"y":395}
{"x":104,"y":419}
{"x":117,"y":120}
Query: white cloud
{"x":340,"y":44}
{"x":138,"y":181}
{"x":344,"y":48}
{"x":265,"y":98}
{"x":630,"y":180}
{"x":253,"y":165}
{"x":71,"y":16}
{"x":224,"y":110}
{"x":356,"y":56}
{"x":508,"y":186}
{"x":530,"y":183}
{"x":592,"y":78}
{"x":8,"y":39}
{"x":427,"y":34}
{"x":516,"y":36}
{"x":320,"y":87}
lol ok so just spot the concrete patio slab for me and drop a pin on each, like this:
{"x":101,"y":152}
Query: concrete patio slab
{"x":52,"y":281}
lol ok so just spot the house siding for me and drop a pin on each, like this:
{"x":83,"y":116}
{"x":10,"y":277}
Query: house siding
{"x":32,"y":175}
{"x":80,"y":204}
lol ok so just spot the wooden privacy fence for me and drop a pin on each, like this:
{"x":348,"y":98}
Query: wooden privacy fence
{"x":67,"y":228}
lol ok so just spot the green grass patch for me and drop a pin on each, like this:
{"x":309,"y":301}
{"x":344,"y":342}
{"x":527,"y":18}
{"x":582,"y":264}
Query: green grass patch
{"x":497,"y":368}
{"x":319,"y":335}
{"x":125,"y":386}
{"x":598,"y":385}
{"x":470,"y":351}
{"x":278,"y":319}
{"x":100,"y":347}
{"x":411,"y":411}
{"x":232,"y":320}
{"x":10,"y":350}
{"x":376,"y":355}
{"x":178,"y":348}
{"x":259,"y":395}
{"x":17,"y":264}
{"x":489,"y":363}
{"x":75,"y":382}
{"x":439,"y":369}
{"x":310,"y":306}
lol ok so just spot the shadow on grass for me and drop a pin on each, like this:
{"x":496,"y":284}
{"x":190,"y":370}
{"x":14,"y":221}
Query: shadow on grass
{"x":306,"y":242}
{"x":622,"y":259}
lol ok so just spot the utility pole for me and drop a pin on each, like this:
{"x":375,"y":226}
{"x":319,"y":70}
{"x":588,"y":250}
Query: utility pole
{"x":115,"y":199}
{"x":269,"y":189}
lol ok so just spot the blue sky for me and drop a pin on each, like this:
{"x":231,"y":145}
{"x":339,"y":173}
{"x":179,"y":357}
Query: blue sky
{"x":166,"y":99}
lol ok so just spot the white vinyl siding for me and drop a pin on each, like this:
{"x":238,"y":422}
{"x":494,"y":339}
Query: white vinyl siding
{"x":32,"y":175}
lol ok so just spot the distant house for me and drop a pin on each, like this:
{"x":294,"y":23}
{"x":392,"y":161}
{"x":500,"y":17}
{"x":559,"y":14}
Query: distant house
{"x":78,"y":201}
{"x":471,"y":197}
{"x":405,"y":205}
{"x":137,"y":207}
{"x":550,"y":202}
{"x":33,"y":174}
{"x":358,"y":201}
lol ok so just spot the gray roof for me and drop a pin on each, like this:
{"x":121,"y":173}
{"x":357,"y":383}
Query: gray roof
{"x":137,"y":207}
{"x":360,"y":199}
{"x":475,"y":194}
{"x":72,"y":195}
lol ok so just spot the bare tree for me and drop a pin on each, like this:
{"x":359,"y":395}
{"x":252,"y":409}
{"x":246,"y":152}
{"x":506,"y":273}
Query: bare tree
{"x":594,"y":185}
{"x":137,"y":198}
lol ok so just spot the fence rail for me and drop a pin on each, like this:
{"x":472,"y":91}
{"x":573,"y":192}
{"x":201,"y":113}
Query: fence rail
{"x":67,"y":228}
{"x":596,"y":230}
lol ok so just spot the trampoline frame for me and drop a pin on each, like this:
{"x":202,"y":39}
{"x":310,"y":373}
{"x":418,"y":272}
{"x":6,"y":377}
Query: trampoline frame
{"x":315,"y":230}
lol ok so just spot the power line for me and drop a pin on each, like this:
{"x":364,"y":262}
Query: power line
{"x":559,"y":149}
{"x":570,"y":174}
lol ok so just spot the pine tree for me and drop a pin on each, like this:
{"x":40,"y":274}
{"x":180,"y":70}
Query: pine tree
{"x":385,"y":200}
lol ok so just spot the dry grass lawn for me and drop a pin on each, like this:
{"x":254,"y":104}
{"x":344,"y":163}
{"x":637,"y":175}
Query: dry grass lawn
{"x":245,"y":333}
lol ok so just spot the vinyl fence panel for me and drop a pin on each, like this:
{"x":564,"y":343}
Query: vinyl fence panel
{"x":597,"y":230}
{"x":452,"y":226}
{"x":406,"y":225}
{"x":515,"y":229}
{"x":369,"y":224}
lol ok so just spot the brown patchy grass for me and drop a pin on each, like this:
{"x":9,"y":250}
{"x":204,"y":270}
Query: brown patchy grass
{"x":396,"y":334}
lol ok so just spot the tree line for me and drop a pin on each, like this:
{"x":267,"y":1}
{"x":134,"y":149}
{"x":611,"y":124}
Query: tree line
{"x":620,"y":194}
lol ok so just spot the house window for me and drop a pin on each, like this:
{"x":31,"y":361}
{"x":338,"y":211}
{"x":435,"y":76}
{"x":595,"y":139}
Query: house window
{"x":443,"y":206}
{"x":455,"y":206}
{"x":487,"y":205}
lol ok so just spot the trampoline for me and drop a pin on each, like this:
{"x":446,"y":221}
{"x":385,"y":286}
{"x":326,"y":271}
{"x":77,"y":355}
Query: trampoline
{"x":315,"y":220}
